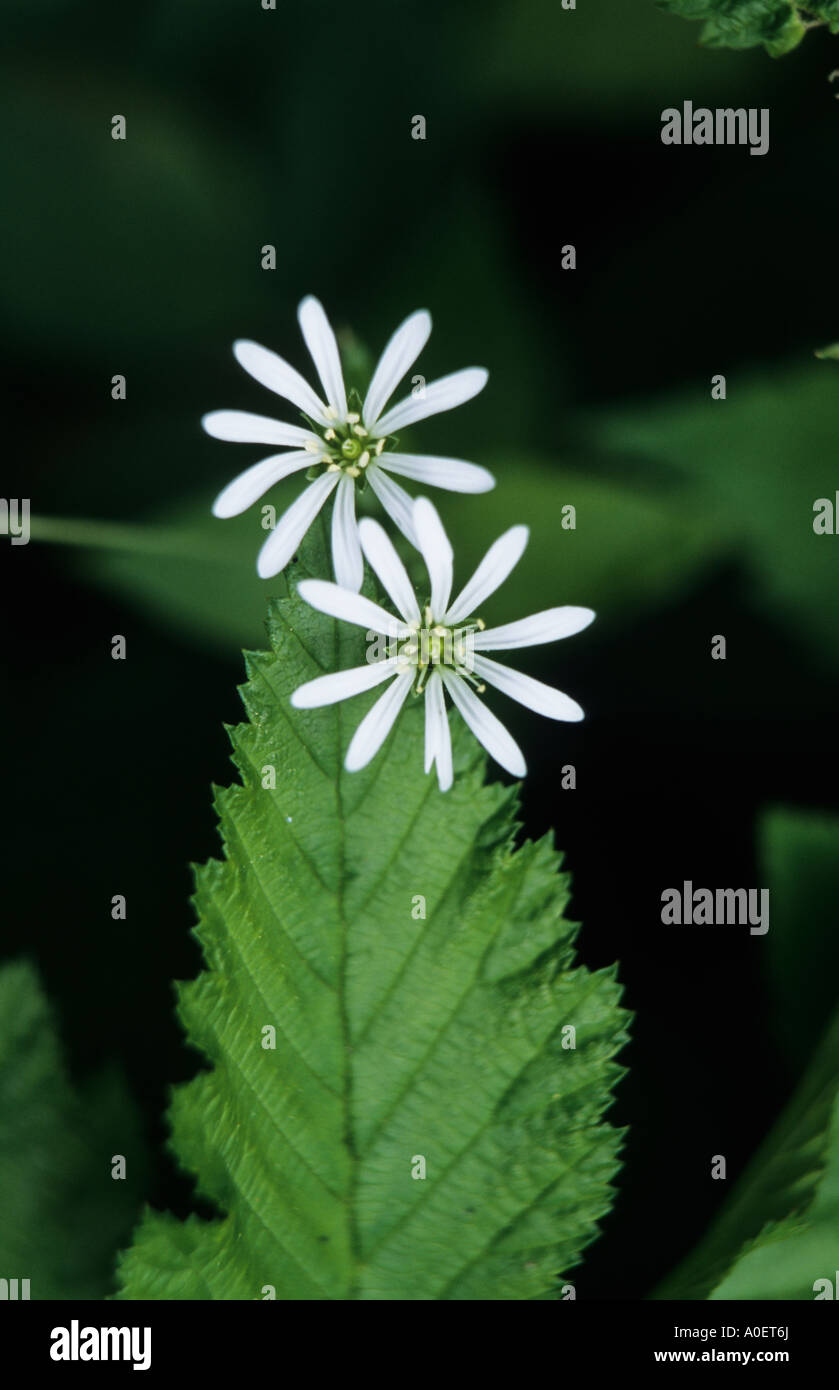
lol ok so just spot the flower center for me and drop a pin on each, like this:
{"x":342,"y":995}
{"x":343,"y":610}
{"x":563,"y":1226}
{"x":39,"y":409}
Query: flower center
{"x":345,"y":447}
{"x":434,"y":644}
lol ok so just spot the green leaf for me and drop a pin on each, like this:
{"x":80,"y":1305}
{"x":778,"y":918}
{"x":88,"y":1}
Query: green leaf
{"x":64,"y":1215}
{"x":779,"y":1231}
{"x":397,"y":1036}
{"x":749,"y":469}
{"x":776,"y":24}
{"x":827,"y":10}
{"x":157,"y":192}
{"x":799,"y":857}
{"x":787,"y":1194}
{"x":830,"y":353}
{"x":633,"y":547}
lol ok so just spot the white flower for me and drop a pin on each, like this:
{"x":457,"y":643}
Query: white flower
{"x":342,"y":448}
{"x":436,"y":650}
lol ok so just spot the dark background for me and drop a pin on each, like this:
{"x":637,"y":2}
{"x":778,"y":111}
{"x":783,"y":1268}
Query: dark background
{"x":247,"y":127}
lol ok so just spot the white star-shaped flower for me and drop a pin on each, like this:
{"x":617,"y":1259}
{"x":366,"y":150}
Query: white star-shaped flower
{"x":342,"y":448}
{"x":438,"y":648}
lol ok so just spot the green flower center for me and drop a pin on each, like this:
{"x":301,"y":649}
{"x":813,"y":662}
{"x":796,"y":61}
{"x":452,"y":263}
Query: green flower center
{"x":346,"y":447}
{"x":434,"y":644}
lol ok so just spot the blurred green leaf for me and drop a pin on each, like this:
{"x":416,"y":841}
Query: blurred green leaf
{"x":598,"y":59}
{"x":831,"y":352}
{"x":631,"y":549}
{"x":786,"y":1260}
{"x":749,"y":469}
{"x":779,"y":1230}
{"x":128,"y":245}
{"x":799,"y":856}
{"x":788,"y":1195}
{"x":63,"y":1216}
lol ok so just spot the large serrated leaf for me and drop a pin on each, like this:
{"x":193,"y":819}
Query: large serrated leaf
{"x":399,"y":1038}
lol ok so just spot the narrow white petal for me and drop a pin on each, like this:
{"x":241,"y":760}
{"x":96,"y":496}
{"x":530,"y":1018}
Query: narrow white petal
{"x":278,"y":375}
{"x":256,"y":480}
{"x":383,"y":559}
{"x":454,"y":474}
{"x":377,"y":724}
{"x":395,"y":500}
{"x":437,"y":553}
{"x":292,"y":526}
{"x":502,"y":556}
{"x":346,"y":548}
{"x":342,"y":685}
{"x":548,"y":626}
{"x":533,"y":694}
{"x":438,"y":742}
{"x":432,"y":723}
{"x":488,"y":730}
{"x":350,"y":607}
{"x":320,"y":340}
{"x":241,"y":427}
{"x":445,"y":772}
{"x":403,"y":348}
{"x":438,"y":396}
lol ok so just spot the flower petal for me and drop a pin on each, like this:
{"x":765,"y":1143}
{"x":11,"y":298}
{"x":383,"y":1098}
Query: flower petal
{"x":502,"y":556}
{"x":488,"y":730}
{"x":342,"y":685}
{"x":346,"y":548}
{"x":241,"y":427}
{"x":398,"y":504}
{"x":454,"y":474}
{"x":548,"y":626}
{"x":377,"y":723}
{"x":436,"y":550}
{"x":533,"y":694}
{"x":383,"y":559}
{"x":293,"y":525}
{"x":438,"y":741}
{"x":440,"y":395}
{"x":320,"y":340}
{"x":350,"y":607}
{"x":403,"y":348}
{"x":432,"y":724}
{"x":278,"y":375}
{"x":248,"y":486}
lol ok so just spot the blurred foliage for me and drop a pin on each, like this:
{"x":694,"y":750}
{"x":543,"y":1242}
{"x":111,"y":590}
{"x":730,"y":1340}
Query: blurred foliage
{"x":536,"y":54}
{"x":661,"y":491}
{"x":748,"y":469}
{"x":64,"y":1216}
{"x":799,"y":857}
{"x":779,"y":1230}
{"x":779,"y":25}
{"x":632,"y":548}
